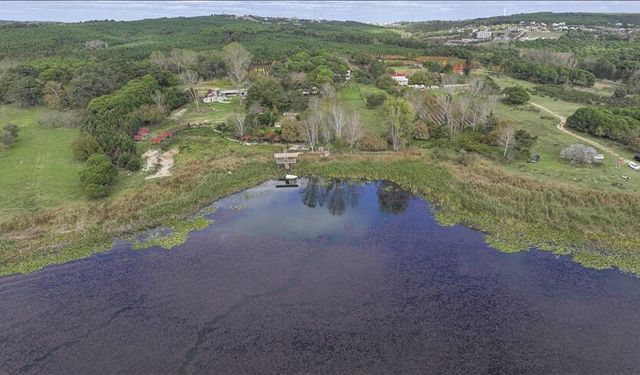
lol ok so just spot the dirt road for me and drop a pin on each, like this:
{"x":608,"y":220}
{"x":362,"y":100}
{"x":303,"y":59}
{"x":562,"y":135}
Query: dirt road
{"x":561,"y":127}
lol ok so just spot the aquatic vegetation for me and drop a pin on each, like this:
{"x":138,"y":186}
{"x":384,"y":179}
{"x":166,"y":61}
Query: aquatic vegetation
{"x":178,"y":233}
{"x":68,"y":248}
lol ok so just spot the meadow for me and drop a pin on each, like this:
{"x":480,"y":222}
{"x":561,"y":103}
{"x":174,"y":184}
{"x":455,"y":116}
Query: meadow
{"x":38,"y":171}
{"x":355,"y":99}
{"x":551,"y":141}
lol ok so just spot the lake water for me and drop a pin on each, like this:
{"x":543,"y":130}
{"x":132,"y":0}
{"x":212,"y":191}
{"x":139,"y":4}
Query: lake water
{"x":328,"y":277}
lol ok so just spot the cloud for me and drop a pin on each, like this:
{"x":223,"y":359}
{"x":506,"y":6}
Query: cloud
{"x":364,"y":11}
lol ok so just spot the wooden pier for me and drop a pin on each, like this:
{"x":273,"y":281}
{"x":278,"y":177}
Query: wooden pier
{"x":286,"y":158}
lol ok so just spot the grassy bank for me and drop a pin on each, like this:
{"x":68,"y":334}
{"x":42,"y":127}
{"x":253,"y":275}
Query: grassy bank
{"x":208,"y":168}
{"x":597,"y":227}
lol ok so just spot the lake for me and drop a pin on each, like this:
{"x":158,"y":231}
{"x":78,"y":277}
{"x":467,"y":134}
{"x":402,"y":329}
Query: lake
{"x":329,"y":277}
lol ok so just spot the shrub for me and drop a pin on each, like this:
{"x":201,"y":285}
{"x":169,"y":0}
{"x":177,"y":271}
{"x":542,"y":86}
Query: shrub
{"x":291,"y":130}
{"x":466,"y":158}
{"x":67,"y":119}
{"x":8,"y":135}
{"x":372,"y":142}
{"x":516,"y":95}
{"x":420,"y":131}
{"x":620,"y":93}
{"x":579,"y":154}
{"x":97,"y":176}
{"x":376,"y":99}
{"x":440,"y":153}
{"x":84,"y":146}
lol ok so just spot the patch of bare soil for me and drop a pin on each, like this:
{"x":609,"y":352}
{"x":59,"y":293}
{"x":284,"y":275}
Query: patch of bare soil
{"x":177,"y":114}
{"x":161,"y":163}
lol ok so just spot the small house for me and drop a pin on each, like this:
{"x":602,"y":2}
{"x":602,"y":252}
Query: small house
{"x":400,"y":79}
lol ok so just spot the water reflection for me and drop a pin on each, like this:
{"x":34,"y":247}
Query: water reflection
{"x":392,"y":198}
{"x":337,"y":195}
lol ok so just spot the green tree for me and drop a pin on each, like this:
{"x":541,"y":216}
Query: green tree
{"x":376,"y":99}
{"x":84,"y":146}
{"x":516,"y":95}
{"x":25,"y":91}
{"x":268,"y":93}
{"x":398,"y":118}
{"x":97,"y":176}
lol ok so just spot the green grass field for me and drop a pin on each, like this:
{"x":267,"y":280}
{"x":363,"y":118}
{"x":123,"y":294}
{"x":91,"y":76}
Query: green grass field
{"x":38,"y":171}
{"x":551,"y":166}
{"x":551,"y":141}
{"x":354,"y":96}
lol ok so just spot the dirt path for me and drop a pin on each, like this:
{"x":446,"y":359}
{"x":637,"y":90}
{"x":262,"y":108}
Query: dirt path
{"x":561,"y":127}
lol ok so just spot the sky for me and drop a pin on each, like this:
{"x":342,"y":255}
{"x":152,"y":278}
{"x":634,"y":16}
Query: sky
{"x":363,"y":11}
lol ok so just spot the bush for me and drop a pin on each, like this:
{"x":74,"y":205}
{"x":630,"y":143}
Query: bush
{"x":8,"y":135}
{"x":515,"y":95}
{"x":291,"y":130}
{"x":67,"y":119}
{"x":620,"y":93}
{"x":376,"y":99}
{"x":420,"y":132}
{"x":84,"y":146}
{"x":466,"y":158}
{"x":372,"y":142}
{"x":440,"y":153}
{"x":579,"y":154}
{"x":97,"y":176}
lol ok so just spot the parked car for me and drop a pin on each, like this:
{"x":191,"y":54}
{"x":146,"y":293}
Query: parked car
{"x":535,"y":158}
{"x":598,"y":157}
{"x":637,"y":157}
{"x":635,"y":166}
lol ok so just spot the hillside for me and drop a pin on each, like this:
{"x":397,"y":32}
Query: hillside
{"x":266,"y":38}
{"x":588,"y":19}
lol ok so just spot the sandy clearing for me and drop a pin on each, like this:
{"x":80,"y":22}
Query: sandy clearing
{"x":155,"y":159}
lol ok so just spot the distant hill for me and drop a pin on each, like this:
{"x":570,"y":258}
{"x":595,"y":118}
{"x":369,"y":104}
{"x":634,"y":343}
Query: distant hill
{"x":546,"y":17}
{"x":266,"y":38}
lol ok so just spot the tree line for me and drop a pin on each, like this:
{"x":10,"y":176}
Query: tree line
{"x":618,"y":124}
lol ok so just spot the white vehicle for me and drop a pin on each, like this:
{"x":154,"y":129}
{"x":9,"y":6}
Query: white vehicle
{"x":635,"y":166}
{"x":598,"y":157}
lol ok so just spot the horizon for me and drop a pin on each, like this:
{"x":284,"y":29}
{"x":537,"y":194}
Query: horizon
{"x":358,"y":11}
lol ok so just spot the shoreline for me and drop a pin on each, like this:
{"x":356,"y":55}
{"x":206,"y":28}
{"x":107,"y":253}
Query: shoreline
{"x":436,"y":183}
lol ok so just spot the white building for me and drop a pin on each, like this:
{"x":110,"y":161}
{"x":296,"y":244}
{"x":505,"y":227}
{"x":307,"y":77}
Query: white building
{"x":483,"y":34}
{"x":400,"y":78}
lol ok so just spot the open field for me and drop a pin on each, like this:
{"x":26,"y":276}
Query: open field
{"x":354,"y":96}
{"x":38,"y":171}
{"x":551,"y":141}
{"x":551,"y":166}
